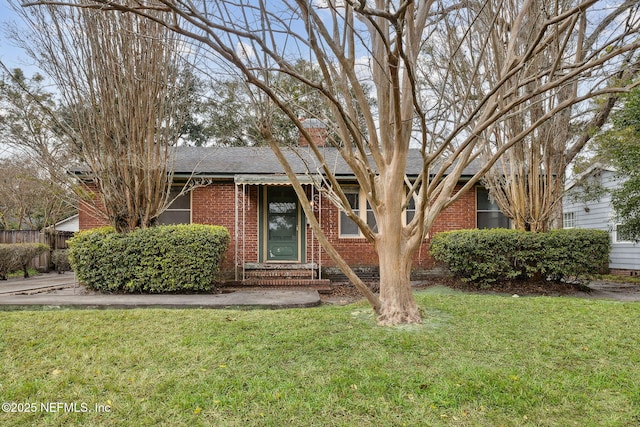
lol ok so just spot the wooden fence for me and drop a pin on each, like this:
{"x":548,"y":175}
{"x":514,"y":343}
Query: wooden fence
{"x":55,"y":240}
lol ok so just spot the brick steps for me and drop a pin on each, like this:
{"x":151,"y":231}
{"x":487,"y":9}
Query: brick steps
{"x":322,"y":289}
{"x":285,"y":282}
{"x":284,"y":275}
{"x":294,"y":274}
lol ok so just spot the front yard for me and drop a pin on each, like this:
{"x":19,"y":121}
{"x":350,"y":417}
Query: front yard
{"x":478,"y":360}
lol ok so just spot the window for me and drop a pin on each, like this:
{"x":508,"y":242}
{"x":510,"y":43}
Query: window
{"x":361,"y":207}
{"x":411,"y":210}
{"x":622,"y":234}
{"x":371,"y":218}
{"x":569,"y":220}
{"x":488,"y":213}
{"x":348,"y":227}
{"x":179,"y":211}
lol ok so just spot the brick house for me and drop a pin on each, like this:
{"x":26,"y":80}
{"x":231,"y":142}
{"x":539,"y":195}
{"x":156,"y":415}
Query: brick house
{"x":248,"y":192}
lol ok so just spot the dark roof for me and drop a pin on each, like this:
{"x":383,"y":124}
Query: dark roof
{"x":229,"y":161}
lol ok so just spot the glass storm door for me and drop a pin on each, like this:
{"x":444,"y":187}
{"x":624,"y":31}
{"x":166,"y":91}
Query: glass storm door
{"x":282,"y":224}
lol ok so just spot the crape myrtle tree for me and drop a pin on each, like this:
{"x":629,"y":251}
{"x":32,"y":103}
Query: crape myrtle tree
{"x":118,"y":78}
{"x":259,"y":38}
{"x":527,"y":182}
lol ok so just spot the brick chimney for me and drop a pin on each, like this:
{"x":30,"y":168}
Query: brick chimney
{"x":317,"y":130}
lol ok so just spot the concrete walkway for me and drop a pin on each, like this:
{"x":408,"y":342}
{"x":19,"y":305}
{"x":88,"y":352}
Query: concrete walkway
{"x":629,"y":292}
{"x":41,"y":283}
{"x":23,"y":293}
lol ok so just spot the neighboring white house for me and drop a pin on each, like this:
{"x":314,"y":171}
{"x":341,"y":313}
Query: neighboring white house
{"x":69,"y":224}
{"x":599,"y":214}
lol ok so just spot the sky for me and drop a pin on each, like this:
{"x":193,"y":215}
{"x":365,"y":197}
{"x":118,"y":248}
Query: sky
{"x":10,"y":54}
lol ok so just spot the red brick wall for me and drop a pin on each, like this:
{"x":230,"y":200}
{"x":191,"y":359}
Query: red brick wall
{"x":360,"y":253}
{"x":622,"y":272}
{"x":215,"y":205}
{"x":318,"y":136}
{"x":89,"y":211}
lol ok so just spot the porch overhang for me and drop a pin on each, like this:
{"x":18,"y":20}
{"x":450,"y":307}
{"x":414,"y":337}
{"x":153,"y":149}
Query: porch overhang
{"x":309,"y":253}
{"x":272,"y":179}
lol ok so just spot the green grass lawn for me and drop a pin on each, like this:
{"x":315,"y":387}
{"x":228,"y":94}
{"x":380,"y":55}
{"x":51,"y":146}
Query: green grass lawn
{"x":476,"y":361}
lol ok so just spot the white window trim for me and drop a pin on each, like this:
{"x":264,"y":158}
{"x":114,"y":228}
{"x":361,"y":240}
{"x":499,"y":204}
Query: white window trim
{"x":352,"y":190}
{"x":362,"y":213}
{"x":572,"y":221}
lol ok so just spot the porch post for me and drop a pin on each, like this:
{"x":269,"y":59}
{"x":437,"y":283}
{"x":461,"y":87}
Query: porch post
{"x":313,"y":248}
{"x":236,"y":234}
{"x":319,"y":245}
{"x":244,"y":210}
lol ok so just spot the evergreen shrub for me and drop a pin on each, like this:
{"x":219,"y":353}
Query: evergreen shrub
{"x":493,"y":255}
{"x":168,"y":258}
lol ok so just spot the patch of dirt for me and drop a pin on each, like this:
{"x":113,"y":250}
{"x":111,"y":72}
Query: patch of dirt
{"x":344,"y":293}
{"x":341,"y":293}
{"x":534,"y":288}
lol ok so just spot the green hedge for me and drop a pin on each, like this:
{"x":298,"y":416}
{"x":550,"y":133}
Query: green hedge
{"x":486,"y":256}
{"x":172,"y":258}
{"x":16,"y":256}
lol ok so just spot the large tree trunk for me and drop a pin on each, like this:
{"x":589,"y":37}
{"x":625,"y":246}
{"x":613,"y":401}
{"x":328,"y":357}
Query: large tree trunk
{"x":395,"y":253}
{"x":396,"y":296}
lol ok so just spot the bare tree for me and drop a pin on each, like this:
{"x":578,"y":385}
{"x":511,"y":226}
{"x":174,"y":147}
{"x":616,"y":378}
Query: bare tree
{"x":528,"y":182}
{"x":257,"y":37}
{"x":118,"y":77}
{"x":29,"y":198}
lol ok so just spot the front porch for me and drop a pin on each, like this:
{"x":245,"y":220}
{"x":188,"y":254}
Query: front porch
{"x":284,"y":274}
{"x":274,"y":246}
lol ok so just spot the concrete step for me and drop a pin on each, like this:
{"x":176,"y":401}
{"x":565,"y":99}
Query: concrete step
{"x":279,"y":266}
{"x":255,"y":281}
{"x":293,"y":274}
{"x":321,"y":289}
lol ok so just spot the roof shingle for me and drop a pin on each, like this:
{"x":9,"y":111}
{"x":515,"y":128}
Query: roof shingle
{"x":229,"y":161}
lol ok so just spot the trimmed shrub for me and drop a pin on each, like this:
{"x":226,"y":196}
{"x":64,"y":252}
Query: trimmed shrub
{"x":487,"y":256}
{"x":172,"y":258}
{"x":8,"y":259}
{"x":575,"y":252}
{"x":15,"y":256}
{"x":60,"y":259}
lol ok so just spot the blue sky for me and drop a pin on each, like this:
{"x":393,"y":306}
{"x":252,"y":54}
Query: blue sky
{"x":10,"y":54}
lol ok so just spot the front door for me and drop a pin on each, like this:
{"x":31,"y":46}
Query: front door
{"x":282,"y":224}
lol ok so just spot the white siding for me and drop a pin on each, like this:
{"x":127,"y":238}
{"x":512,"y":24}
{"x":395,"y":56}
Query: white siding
{"x":599,"y":215}
{"x":69,"y":224}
